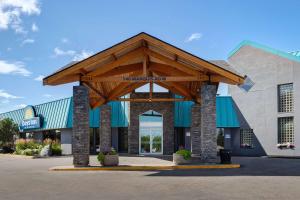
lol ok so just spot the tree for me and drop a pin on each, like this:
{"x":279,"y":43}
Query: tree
{"x":7,"y":131}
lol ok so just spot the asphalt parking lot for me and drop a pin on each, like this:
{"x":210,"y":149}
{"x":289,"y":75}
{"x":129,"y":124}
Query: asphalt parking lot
{"x":258,"y":178}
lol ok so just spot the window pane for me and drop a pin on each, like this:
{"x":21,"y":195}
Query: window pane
{"x":285,"y":98}
{"x":286,"y":130}
{"x":246,"y":138}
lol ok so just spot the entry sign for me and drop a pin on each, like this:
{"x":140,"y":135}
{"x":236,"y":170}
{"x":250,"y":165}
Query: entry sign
{"x":30,"y":120}
{"x":32,"y":123}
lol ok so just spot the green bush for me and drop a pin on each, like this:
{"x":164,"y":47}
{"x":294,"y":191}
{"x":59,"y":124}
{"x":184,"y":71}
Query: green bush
{"x":185,"y":153}
{"x":27,"y":147}
{"x":28,"y":152}
{"x":8,"y":129}
{"x":56,"y":149}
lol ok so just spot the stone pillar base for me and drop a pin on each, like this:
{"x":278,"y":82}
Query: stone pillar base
{"x":105,"y":128}
{"x":81,"y":128}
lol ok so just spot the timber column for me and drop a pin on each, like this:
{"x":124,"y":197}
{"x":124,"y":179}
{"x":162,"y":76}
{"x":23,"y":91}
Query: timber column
{"x":105,"y":128}
{"x":208,"y":123}
{"x":81,"y":135}
{"x":196,"y":130}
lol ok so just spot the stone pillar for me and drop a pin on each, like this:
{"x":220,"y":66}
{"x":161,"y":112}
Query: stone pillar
{"x":80,"y":136}
{"x":196,"y":130}
{"x":208,"y":123}
{"x":105,"y":128}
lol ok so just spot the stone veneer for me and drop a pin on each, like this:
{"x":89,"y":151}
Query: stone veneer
{"x":105,"y":130}
{"x":203,"y":125}
{"x":164,"y":108}
{"x":208,"y":139}
{"x":80,"y":136}
{"x":196,"y":129}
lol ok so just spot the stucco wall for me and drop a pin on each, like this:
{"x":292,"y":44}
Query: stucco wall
{"x":66,"y":141}
{"x":259,"y":105}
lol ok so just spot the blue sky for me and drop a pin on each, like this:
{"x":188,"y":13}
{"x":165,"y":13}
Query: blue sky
{"x":39,"y":36}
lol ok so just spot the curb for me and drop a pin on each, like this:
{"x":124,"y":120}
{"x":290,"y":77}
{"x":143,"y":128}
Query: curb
{"x":144,"y":168}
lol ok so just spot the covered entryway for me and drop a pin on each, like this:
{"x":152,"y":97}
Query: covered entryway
{"x":144,"y":59}
{"x":151,"y":133}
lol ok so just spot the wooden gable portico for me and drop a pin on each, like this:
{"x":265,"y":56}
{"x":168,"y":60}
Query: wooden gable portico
{"x":124,"y":67}
{"x":139,"y":60}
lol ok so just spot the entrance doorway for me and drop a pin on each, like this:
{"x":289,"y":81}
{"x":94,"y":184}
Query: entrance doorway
{"x":151,"y":133}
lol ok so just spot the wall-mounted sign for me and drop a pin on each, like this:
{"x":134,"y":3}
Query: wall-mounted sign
{"x":227,"y":136}
{"x":30,"y":121}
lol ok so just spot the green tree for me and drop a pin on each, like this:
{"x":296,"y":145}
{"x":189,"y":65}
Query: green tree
{"x":7,"y":131}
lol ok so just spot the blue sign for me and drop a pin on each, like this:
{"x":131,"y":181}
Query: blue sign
{"x":30,"y":121}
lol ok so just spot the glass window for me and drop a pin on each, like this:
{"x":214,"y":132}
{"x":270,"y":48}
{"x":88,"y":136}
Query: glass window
{"x":286,"y":130}
{"x":285,"y":98}
{"x":246,"y":136}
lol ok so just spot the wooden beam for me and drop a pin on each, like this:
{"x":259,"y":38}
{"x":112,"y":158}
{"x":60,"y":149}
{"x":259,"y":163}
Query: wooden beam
{"x":64,"y":80}
{"x":142,"y":78}
{"x":124,"y":69}
{"x":88,"y":85}
{"x":200,"y":62}
{"x":150,"y":89}
{"x":123,"y":59}
{"x":167,"y":69}
{"x":130,"y":88}
{"x":177,"y":65}
{"x":153,"y":100}
{"x":93,"y":60}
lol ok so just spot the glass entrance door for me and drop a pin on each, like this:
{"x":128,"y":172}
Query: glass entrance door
{"x":151,"y":133}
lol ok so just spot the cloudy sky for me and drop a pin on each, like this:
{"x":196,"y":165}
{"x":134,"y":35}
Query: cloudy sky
{"x":39,"y":36}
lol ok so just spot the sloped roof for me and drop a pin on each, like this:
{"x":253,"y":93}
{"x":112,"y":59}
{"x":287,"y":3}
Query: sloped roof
{"x":107,"y":73}
{"x":291,"y":56}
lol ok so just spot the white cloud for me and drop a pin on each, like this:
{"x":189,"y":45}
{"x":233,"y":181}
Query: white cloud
{"x":60,"y":52}
{"x":11,"y":12}
{"x":28,"y":41}
{"x":6,"y":95}
{"x":19,"y":106}
{"x":34,"y":28}
{"x":39,"y":78}
{"x":82,"y":55}
{"x":48,"y":95}
{"x":194,"y":36}
{"x":13,"y":68}
{"x":65,"y":40}
{"x":77,"y":56}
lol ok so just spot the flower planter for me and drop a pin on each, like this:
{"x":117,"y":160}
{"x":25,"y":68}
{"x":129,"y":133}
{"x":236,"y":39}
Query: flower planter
{"x":179,"y":159}
{"x":111,"y":160}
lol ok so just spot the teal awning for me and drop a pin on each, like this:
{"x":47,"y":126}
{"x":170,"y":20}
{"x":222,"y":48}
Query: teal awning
{"x":58,"y":114}
{"x":226,"y":114}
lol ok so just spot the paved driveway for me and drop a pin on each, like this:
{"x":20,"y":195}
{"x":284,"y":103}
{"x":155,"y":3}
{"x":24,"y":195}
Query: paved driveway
{"x":259,"y":178}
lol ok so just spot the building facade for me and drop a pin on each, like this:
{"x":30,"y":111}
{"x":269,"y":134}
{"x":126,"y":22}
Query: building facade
{"x":157,"y":128}
{"x":269,"y":111}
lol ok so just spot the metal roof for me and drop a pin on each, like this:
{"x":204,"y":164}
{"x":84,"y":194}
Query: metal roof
{"x":54,"y":114}
{"x":58,"y":114}
{"x":290,"y":56}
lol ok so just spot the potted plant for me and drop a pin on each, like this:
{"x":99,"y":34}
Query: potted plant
{"x":182,"y":156}
{"x":286,"y":145}
{"x":108,"y":158}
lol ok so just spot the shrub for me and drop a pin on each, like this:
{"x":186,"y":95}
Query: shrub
{"x":28,"y":152}
{"x":27,"y":147}
{"x":56,"y":149}
{"x":8,"y":129}
{"x":185,"y":153}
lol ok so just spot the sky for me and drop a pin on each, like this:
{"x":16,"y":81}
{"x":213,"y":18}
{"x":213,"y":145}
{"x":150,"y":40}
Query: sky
{"x":39,"y":36}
